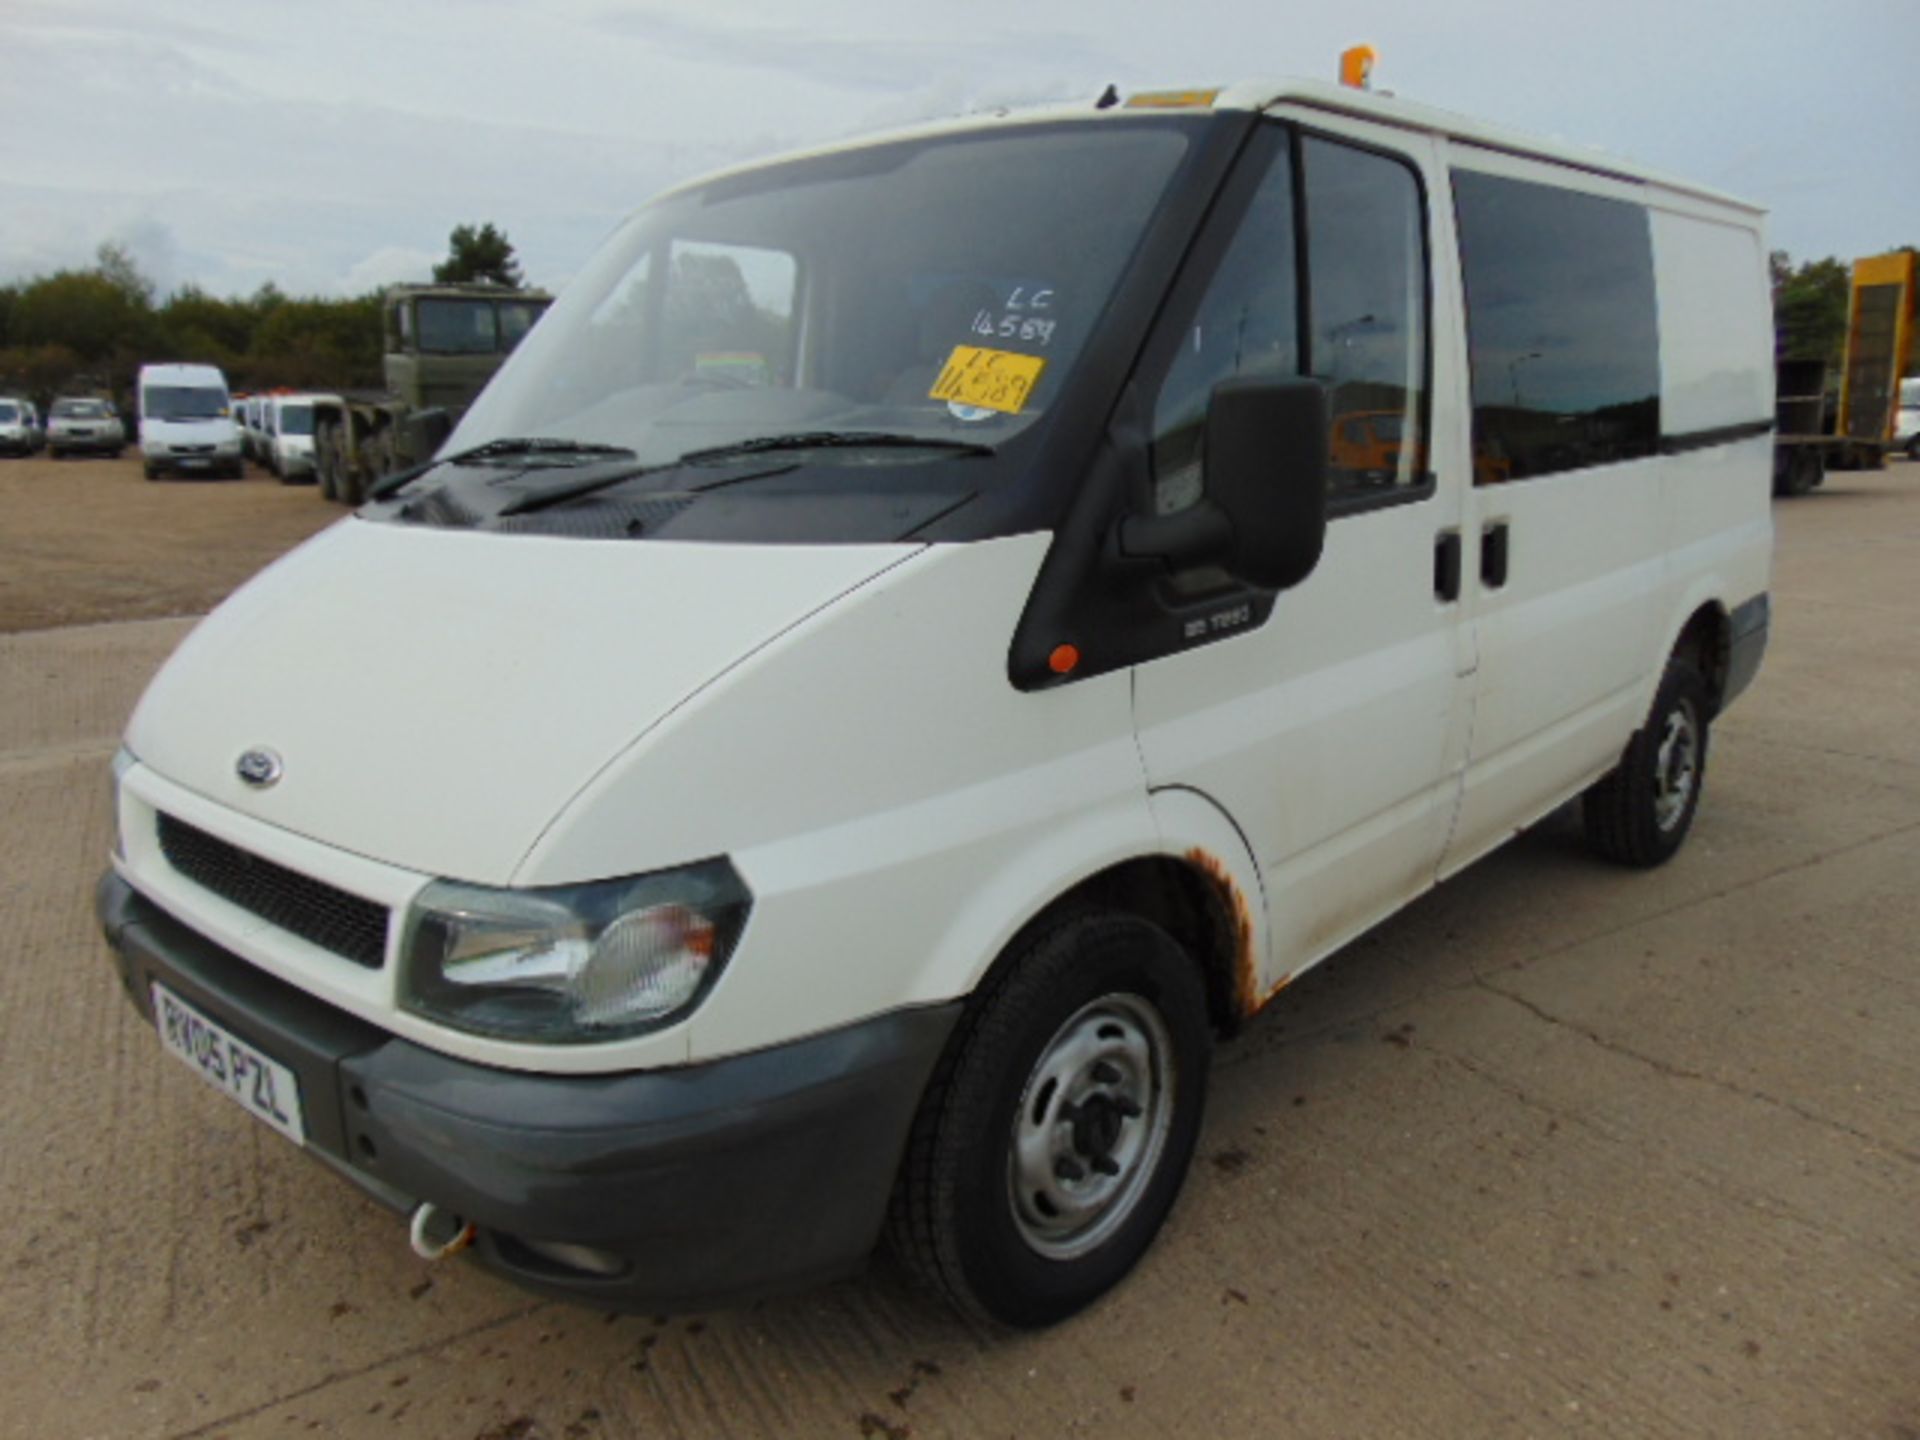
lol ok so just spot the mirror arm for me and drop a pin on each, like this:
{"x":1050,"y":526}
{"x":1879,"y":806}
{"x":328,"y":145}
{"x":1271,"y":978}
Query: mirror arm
{"x":1202,"y":531}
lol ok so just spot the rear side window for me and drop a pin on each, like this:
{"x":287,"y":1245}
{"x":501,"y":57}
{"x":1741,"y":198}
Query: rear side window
{"x":1562,"y":330}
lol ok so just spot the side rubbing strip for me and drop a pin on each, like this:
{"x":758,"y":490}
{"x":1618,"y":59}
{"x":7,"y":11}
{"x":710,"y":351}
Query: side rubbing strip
{"x":1707,"y":439}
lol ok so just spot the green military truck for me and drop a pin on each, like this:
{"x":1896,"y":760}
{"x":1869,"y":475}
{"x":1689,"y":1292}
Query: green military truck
{"x":442,"y":344}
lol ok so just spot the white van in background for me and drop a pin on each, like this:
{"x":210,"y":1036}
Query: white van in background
{"x":288,"y":435}
{"x":921,"y":640}
{"x":186,"y":422}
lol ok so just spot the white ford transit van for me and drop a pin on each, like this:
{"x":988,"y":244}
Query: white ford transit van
{"x":925,"y":637}
{"x":186,"y":422}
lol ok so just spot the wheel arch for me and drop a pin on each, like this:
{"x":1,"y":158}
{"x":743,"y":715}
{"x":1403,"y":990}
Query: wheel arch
{"x":1700,"y":632}
{"x":1201,"y":886}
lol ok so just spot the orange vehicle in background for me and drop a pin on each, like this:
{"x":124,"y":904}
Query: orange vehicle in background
{"x":1368,"y":440}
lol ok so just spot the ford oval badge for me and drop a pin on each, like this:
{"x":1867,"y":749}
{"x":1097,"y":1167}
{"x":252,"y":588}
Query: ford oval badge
{"x":258,"y":768}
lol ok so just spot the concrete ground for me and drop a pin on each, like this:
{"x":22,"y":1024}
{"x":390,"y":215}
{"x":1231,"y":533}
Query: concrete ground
{"x":1560,"y":1150}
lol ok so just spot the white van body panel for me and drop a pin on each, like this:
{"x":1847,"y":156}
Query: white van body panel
{"x":498,"y":673}
{"x":1564,"y":644}
{"x":869,"y":765}
{"x":1334,"y":734}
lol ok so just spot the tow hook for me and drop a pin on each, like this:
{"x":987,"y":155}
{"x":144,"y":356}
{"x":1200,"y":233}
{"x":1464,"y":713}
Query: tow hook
{"x":435,"y":1233}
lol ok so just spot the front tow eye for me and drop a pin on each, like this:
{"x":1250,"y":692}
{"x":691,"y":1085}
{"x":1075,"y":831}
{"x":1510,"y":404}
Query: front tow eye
{"x":435,"y":1233}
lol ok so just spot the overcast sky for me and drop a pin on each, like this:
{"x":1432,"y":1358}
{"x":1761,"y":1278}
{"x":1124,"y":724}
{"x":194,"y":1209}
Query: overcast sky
{"x":330,"y":147}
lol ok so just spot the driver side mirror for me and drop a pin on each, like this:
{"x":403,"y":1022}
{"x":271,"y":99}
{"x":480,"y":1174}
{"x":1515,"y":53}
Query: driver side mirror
{"x":1262,"y":516}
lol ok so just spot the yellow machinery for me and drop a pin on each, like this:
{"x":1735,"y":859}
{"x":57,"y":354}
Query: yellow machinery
{"x":1879,"y":334}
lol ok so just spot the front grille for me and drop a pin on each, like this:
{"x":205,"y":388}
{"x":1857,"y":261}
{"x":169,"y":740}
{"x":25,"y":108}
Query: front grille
{"x":193,"y":449}
{"x":349,"y":926}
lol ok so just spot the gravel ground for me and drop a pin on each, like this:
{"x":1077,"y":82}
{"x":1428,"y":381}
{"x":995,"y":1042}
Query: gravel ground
{"x":85,"y":540}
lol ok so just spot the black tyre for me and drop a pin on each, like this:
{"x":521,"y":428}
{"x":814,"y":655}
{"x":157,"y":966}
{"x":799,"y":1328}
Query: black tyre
{"x":152,"y":473}
{"x":1641,"y":812}
{"x":1059,"y":1125}
{"x":1803,"y":471}
{"x":1913,"y":448}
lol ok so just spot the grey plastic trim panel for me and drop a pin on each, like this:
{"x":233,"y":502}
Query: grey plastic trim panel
{"x":1747,"y":643}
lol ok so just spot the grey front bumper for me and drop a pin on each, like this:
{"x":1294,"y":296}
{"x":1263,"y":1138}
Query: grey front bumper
{"x":704,"y":1185}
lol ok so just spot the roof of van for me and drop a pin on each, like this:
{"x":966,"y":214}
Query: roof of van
{"x":1375,"y":105}
{"x":180,"y":374}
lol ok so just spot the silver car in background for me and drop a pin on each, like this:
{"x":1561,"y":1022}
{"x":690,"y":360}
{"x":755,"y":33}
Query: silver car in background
{"x":84,"y":424}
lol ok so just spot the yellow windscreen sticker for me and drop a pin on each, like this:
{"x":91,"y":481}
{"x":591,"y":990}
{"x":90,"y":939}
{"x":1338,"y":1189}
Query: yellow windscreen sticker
{"x":990,"y":379}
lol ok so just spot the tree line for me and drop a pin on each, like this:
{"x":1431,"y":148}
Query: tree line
{"x":89,"y":330}
{"x":1810,"y":310}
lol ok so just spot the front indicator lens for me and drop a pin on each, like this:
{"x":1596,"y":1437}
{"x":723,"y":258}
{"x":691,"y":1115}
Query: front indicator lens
{"x":123,"y":761}
{"x":572,"y":963}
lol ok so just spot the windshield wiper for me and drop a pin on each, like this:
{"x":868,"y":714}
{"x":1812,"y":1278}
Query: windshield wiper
{"x":524,"y":445}
{"x":746,"y":449}
{"x":492,"y":450}
{"x":834,"y":440}
{"x":540,"y":499}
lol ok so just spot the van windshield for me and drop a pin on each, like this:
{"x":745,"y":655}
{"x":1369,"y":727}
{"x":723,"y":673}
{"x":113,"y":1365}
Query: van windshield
{"x":296,"y":419}
{"x":9,"y":411}
{"x":183,"y":402}
{"x":936,"y":290}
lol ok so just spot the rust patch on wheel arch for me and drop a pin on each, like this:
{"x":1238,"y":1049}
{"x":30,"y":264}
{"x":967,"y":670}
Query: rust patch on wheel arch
{"x":1246,"y":969}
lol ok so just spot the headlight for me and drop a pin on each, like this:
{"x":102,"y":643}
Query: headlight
{"x":571,"y":964}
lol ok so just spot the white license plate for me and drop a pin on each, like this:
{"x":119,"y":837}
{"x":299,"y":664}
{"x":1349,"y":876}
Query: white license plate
{"x":258,"y":1082}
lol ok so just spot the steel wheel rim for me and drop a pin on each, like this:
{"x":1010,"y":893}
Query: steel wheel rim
{"x":1091,"y":1127}
{"x":1675,"y":767}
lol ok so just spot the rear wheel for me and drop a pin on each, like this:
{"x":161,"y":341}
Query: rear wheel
{"x":1058,"y":1128}
{"x":1640,"y":814}
{"x":1803,"y":471}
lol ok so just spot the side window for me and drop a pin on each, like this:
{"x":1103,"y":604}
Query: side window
{"x":1365,"y":324}
{"x":1247,"y":323}
{"x":1562,"y":333}
{"x":1367,"y":287}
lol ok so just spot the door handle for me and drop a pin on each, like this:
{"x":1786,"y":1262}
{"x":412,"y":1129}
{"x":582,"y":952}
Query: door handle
{"x":1446,"y":566}
{"x":1493,"y":555}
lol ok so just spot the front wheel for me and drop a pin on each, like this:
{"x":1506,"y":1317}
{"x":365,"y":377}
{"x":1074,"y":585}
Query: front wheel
{"x":1058,"y":1128}
{"x":1640,"y":813}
